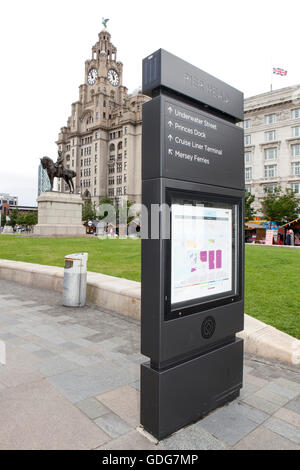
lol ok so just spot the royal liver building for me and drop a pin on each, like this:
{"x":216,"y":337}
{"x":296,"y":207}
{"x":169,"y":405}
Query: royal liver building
{"x":102,"y":139}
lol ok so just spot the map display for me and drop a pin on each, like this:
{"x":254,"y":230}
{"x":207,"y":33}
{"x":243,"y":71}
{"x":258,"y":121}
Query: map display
{"x":201,"y":253}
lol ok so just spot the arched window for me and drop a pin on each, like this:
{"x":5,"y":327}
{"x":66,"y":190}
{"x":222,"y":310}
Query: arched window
{"x":112,"y":147}
{"x":120,"y":146}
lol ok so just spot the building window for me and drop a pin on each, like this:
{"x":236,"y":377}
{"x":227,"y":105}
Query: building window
{"x":125,"y":190}
{"x":119,"y":179}
{"x":126,"y":130}
{"x":248,"y":157}
{"x":295,"y":113}
{"x":248,"y":173}
{"x":95,"y":191}
{"x":247,"y":124}
{"x":296,"y":131}
{"x":119,"y":191}
{"x":119,"y":168}
{"x":296,"y":188}
{"x":247,"y":190}
{"x":125,"y":142}
{"x":247,"y":139}
{"x":72,"y":163}
{"x":270,"y":188}
{"x":270,"y":171}
{"x":296,"y":150}
{"x":125,"y":153}
{"x":111,"y":169}
{"x":111,"y":181}
{"x":270,"y":119}
{"x":111,"y":192}
{"x":271,"y":154}
{"x":296,"y":169}
{"x":270,"y":135}
{"x":125,"y":178}
{"x":96,"y":147}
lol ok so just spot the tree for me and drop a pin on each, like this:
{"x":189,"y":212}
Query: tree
{"x":31,"y":219}
{"x":21,"y":219}
{"x":279,"y":206}
{"x":13,"y":217}
{"x":3,"y":219}
{"x":249,"y":210}
{"x":88,"y":211}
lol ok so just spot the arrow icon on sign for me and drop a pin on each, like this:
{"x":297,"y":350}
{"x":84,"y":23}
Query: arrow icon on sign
{"x":170,"y":152}
{"x":170,"y":109}
{"x":170,"y":123}
{"x":170,"y":137}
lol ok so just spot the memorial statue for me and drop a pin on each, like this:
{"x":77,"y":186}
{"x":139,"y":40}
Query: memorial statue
{"x":105,"y":21}
{"x":57,"y":170}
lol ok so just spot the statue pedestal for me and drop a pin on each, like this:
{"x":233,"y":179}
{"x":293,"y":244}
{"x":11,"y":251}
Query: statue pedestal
{"x":59,"y":215}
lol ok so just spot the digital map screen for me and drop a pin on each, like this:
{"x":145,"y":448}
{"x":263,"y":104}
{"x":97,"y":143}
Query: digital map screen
{"x":201,"y":251}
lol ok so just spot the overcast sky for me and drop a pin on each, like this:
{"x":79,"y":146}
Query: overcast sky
{"x":44,"y":45}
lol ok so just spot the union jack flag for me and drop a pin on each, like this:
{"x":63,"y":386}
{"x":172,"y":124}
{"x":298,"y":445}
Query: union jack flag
{"x":279,"y":71}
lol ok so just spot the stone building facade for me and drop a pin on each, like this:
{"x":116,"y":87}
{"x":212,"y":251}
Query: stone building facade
{"x":102,"y":138}
{"x":272,"y":142}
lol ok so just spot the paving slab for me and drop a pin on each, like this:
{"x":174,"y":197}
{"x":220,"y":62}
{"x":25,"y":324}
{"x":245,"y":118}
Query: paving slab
{"x":294,"y":405}
{"x":289,"y":416}
{"x":130,"y":441}
{"x":284,"y":429}
{"x":264,"y":439}
{"x":92,"y":408}
{"x":192,"y":438}
{"x":125,"y":402}
{"x":112,"y":425}
{"x":37,"y":416}
{"x":231,"y":423}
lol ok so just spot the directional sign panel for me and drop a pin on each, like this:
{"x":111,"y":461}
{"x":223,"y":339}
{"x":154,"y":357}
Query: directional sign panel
{"x":197,"y":146}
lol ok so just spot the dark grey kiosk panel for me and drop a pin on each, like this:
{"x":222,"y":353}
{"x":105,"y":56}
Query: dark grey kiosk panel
{"x":193,"y":265}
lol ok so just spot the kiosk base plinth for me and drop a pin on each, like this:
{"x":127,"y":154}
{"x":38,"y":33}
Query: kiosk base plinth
{"x":180,"y":395}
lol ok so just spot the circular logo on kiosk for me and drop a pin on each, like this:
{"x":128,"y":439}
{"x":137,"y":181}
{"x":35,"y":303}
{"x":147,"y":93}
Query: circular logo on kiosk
{"x":208,"y":327}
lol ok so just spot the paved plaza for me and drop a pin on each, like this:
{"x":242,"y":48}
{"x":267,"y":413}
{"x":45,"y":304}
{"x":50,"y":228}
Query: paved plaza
{"x":72,"y":382}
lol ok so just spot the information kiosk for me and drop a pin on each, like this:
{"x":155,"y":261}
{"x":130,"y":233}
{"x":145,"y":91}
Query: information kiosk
{"x":193,"y":261}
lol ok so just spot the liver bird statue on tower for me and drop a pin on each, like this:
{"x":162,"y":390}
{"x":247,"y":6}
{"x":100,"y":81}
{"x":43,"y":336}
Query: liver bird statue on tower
{"x":105,"y":21}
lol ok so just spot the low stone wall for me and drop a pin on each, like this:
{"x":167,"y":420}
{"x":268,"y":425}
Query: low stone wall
{"x":123,"y":296}
{"x":111,"y":293}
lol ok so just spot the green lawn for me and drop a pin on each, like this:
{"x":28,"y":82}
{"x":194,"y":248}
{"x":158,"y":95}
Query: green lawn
{"x":272,"y":288}
{"x":120,"y":258}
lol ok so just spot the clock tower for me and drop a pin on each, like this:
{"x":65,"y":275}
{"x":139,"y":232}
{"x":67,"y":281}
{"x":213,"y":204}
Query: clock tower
{"x":102,"y":139}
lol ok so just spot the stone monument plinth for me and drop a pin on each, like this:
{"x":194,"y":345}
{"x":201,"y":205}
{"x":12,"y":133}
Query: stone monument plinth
{"x":59,"y":215}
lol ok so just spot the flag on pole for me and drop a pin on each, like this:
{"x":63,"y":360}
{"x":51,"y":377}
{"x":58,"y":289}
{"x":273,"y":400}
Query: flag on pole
{"x":279,"y":71}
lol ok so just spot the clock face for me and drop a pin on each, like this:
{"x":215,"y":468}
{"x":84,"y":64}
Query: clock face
{"x":92,"y":76}
{"x":113,"y":77}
